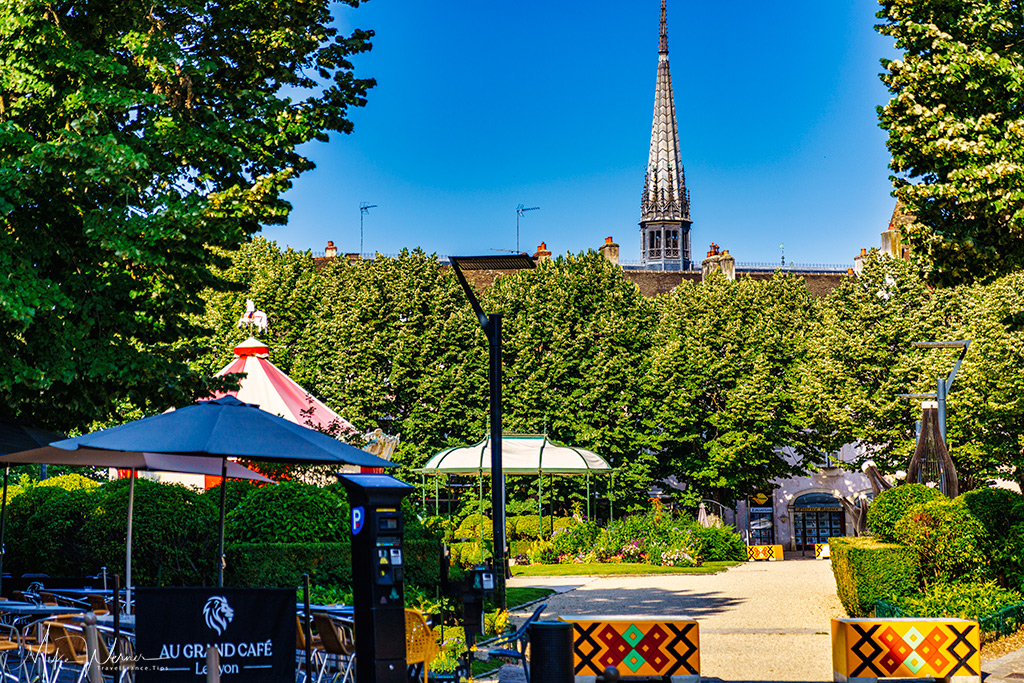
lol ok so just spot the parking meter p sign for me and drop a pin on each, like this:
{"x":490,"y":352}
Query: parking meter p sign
{"x":358,"y":516}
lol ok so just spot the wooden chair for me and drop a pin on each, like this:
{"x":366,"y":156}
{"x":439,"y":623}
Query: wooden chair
{"x":98,"y":604}
{"x":420,"y":641}
{"x":315,"y":646}
{"x":10,"y":641}
{"x":337,"y":641}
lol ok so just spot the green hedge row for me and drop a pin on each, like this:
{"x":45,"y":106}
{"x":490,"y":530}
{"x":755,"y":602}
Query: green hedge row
{"x":259,"y":565}
{"x":867,"y":571}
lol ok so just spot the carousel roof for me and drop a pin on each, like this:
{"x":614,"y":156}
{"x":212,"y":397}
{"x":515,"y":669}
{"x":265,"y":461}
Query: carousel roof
{"x":520,"y":454}
{"x":275,"y":392}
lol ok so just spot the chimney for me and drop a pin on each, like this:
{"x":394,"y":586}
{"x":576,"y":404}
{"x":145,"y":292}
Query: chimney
{"x":858,"y":261}
{"x":331,"y":250}
{"x":718,"y":261}
{"x":542,"y":253}
{"x":610,"y":250}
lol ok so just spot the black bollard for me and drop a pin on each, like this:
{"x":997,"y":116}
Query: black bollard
{"x":609,"y":675}
{"x":551,"y":656}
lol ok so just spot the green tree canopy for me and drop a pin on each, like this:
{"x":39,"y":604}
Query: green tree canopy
{"x":728,"y":365}
{"x":955,"y":126}
{"x":135,"y":140}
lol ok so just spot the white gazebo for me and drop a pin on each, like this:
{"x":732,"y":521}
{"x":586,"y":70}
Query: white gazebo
{"x":520,"y":454}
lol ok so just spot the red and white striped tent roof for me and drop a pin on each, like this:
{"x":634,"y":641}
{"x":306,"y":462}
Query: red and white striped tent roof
{"x":275,"y":392}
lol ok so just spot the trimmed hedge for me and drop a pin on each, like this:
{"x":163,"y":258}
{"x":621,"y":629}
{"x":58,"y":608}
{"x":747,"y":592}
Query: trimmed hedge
{"x":272,"y":565}
{"x":890,"y":505}
{"x":867,"y":571}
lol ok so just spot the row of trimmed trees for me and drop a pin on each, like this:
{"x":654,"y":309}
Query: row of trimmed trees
{"x":705,"y":383}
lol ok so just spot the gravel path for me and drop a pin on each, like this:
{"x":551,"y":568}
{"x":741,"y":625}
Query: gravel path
{"x":763,"y":621}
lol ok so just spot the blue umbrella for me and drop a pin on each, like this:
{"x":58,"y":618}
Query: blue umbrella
{"x":226,"y":427}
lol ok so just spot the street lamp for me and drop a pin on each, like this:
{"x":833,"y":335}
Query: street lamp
{"x":942,"y":384}
{"x":491,"y":325}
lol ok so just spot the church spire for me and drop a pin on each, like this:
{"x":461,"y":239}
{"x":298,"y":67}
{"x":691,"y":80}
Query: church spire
{"x":665,"y":207}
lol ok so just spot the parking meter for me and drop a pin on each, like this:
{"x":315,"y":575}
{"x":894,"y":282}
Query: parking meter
{"x":478,"y":585}
{"x":378,"y":569}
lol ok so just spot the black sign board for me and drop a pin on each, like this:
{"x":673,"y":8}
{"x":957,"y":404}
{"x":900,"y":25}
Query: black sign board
{"x":254,"y":629}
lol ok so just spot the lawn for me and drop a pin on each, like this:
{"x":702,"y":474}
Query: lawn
{"x":608,"y":569}
{"x":520,"y":596}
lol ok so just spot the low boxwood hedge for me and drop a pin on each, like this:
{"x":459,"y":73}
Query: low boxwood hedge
{"x":270,"y":565}
{"x":867,"y":571}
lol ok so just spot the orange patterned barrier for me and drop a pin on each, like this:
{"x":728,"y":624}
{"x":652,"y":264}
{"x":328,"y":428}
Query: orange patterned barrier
{"x":667,"y":646}
{"x":764,"y":552}
{"x":865,"y":650}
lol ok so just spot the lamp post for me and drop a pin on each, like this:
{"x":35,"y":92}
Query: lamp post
{"x":491,"y":324}
{"x":942,"y":384}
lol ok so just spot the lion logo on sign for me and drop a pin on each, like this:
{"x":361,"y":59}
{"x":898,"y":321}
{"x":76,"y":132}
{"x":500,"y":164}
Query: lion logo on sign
{"x":218,"y":613}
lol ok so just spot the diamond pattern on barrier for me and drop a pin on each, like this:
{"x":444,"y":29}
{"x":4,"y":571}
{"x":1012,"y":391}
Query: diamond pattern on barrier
{"x":633,"y":635}
{"x":913,"y":637}
{"x":617,"y":646}
{"x":914,"y":662}
{"x":585,"y":648}
{"x":649,"y":647}
{"x":938,"y":637}
{"x":634,"y":661}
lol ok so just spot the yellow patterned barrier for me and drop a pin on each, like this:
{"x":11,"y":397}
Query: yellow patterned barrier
{"x":821,"y":551}
{"x":764,"y":552}
{"x":666,"y":646}
{"x":864,"y":650}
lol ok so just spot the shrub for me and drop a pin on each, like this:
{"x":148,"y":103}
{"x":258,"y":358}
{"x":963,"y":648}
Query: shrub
{"x":961,"y":600}
{"x":469,"y":529}
{"x":528,"y":527}
{"x":70,"y":482}
{"x":44,"y":532}
{"x":235,"y":493}
{"x":469,"y":553}
{"x":174,"y":533}
{"x":542,"y":552}
{"x":575,"y":539}
{"x":947,"y":539}
{"x":270,"y":565}
{"x":718,"y":544}
{"x":290,"y":512}
{"x":1001,"y":514}
{"x":867,"y":571}
{"x":889,"y":507}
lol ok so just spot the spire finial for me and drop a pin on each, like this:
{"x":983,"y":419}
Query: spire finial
{"x":663,"y":47}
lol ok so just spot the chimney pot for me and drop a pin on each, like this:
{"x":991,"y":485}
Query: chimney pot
{"x":331,"y":250}
{"x":863,"y":252}
{"x":607,"y":240}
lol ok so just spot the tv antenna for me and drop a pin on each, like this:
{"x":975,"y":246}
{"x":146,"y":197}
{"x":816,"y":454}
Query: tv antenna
{"x":520,"y":210}
{"x":364,"y":209}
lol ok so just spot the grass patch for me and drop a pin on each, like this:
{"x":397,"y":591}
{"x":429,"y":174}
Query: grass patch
{"x":479,"y":668}
{"x":520,"y":596}
{"x":608,"y":569}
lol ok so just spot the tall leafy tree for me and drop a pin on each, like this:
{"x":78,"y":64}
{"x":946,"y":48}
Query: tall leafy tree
{"x":861,"y":359}
{"x":577,"y":350}
{"x":955,"y":127}
{"x":728,"y":366}
{"x":135,"y":140}
{"x":393,"y":344}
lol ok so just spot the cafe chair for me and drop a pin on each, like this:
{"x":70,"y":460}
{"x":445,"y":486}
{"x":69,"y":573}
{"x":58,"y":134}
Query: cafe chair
{"x":315,"y":647}
{"x":420,"y":641}
{"x":513,"y":645}
{"x":339,"y":645}
{"x":98,"y":604}
{"x":10,"y":641}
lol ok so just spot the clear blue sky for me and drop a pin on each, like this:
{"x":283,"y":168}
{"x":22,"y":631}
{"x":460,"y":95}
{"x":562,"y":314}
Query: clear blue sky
{"x":481,"y":106}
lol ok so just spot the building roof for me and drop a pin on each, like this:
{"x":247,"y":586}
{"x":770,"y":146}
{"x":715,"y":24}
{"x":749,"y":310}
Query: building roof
{"x":665,"y":197}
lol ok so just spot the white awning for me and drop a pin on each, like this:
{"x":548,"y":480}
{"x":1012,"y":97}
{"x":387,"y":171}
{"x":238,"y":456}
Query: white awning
{"x":520,"y":454}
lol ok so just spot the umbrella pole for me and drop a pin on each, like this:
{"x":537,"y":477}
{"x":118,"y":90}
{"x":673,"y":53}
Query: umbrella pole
{"x":540,"y":505}
{"x":128,"y":553}
{"x":3,"y":526}
{"x":223,"y":494}
{"x":480,"y":503}
{"x":588,"y":495}
{"x":437,"y":504}
{"x":611,"y":499}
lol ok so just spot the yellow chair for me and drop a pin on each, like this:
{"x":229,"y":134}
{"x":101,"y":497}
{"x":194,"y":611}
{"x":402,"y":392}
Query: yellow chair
{"x":420,"y":641}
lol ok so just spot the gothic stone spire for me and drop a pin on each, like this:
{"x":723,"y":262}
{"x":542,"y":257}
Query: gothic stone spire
{"x":666,"y":203}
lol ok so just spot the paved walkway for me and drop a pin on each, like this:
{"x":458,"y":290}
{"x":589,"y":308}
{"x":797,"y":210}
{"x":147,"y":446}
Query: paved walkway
{"x":764,"y":621}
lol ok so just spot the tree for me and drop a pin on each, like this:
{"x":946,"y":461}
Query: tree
{"x":728,"y":365}
{"x":955,"y":129}
{"x":576,"y":355}
{"x":861,"y":359}
{"x":136,"y":140}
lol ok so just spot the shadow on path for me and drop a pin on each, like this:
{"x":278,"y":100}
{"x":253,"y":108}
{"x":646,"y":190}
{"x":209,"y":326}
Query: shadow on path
{"x":642,"y":601}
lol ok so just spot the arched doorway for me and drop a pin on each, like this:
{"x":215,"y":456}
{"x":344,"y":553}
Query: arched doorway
{"x":817,"y":517}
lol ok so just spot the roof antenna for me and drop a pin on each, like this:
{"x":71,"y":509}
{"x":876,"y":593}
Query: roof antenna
{"x":520,"y":210}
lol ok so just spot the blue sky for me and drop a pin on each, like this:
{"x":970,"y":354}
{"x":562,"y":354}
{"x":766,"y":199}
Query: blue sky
{"x":481,"y":106}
